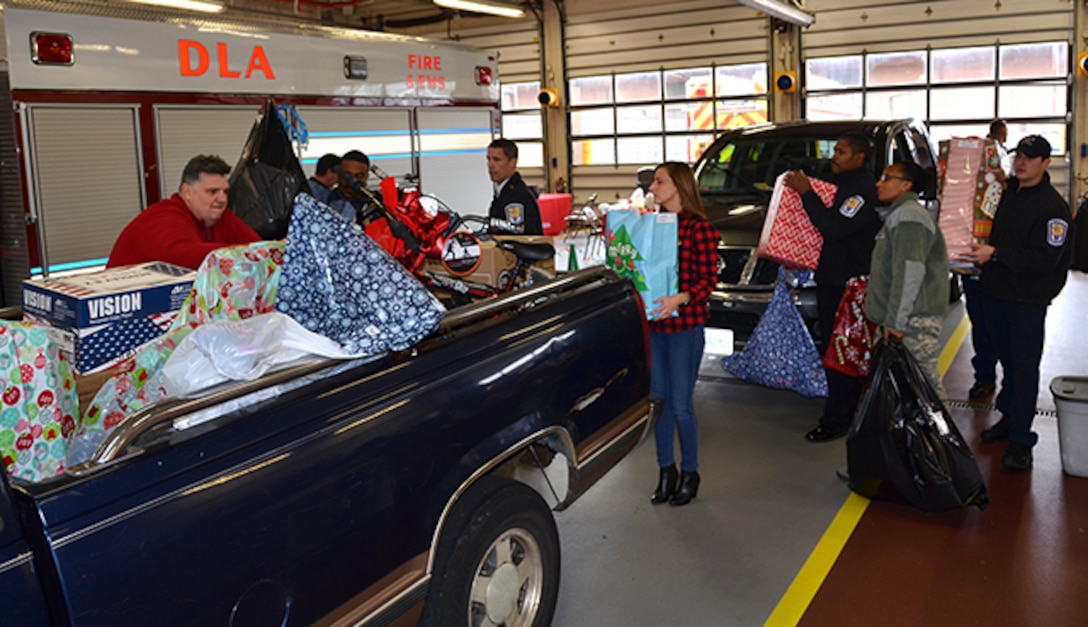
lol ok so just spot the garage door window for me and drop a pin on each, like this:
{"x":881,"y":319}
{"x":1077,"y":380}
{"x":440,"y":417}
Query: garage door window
{"x":957,"y":91}
{"x":667,"y":114}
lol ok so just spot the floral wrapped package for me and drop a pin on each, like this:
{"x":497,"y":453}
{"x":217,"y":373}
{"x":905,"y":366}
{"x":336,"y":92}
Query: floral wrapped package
{"x":39,"y":402}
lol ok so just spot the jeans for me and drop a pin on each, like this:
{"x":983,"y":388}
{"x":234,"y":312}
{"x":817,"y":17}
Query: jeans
{"x":674,"y":359}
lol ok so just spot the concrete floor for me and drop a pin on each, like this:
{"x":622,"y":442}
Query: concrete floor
{"x":766,"y":500}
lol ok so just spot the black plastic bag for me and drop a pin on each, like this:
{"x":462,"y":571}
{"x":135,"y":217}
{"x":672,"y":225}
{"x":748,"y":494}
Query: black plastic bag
{"x":903,"y":444}
{"x":267,"y":178}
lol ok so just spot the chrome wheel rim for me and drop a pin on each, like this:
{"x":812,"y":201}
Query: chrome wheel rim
{"x":508,"y":582}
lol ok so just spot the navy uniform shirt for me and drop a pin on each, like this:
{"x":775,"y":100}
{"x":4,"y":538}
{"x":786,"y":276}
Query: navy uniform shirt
{"x":1033,"y":245}
{"x":517,"y":205}
{"x":849,"y":227}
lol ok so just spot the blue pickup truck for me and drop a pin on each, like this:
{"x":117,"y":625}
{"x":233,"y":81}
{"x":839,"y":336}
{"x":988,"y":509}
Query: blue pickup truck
{"x":413,"y":488}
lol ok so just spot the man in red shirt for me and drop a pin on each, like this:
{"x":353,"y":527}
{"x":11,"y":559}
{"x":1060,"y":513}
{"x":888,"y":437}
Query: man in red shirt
{"x":184,"y":228}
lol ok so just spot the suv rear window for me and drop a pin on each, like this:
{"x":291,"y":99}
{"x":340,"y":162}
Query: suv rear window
{"x":752,"y":164}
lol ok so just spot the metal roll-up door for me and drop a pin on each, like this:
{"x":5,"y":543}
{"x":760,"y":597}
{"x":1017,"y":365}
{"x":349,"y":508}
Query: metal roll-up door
{"x":86,"y":182}
{"x":187,"y":131}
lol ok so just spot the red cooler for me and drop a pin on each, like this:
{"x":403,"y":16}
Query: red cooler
{"x":554,"y":209}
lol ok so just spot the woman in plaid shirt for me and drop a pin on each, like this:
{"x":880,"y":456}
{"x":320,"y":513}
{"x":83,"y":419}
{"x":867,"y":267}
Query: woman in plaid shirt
{"x":676,"y":342}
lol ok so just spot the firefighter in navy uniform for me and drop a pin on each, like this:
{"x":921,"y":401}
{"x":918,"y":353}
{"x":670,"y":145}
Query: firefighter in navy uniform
{"x":849,"y":228}
{"x":1024,"y":266}
{"x":514,"y":201}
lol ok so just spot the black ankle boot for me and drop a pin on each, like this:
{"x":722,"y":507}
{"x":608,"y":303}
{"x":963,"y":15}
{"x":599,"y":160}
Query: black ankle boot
{"x":666,"y":486}
{"x":689,"y":485}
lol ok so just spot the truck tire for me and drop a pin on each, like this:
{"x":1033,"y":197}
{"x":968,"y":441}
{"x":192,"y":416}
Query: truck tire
{"x":497,"y":562}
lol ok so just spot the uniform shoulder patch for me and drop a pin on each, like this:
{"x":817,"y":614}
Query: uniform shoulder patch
{"x":1056,"y":230}
{"x":851,"y":206}
{"x":515,"y":213}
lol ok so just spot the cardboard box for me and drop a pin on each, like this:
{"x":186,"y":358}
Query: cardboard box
{"x":554,"y":209}
{"x":496,"y":264}
{"x":101,"y":318}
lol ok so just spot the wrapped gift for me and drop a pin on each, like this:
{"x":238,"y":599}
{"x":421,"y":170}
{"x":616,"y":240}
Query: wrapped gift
{"x":39,"y":402}
{"x":780,"y":352}
{"x":644,"y":248}
{"x":788,"y":236}
{"x":971,"y":188}
{"x":341,"y":284}
{"x":850,"y":348}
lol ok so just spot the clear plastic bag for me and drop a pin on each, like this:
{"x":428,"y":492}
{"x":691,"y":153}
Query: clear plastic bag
{"x":242,"y":350}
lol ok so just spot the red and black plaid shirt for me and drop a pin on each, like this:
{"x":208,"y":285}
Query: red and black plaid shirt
{"x":698,"y":255}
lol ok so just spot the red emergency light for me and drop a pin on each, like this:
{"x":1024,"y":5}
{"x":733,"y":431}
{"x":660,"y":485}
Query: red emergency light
{"x":483,"y":75}
{"x":51,"y":48}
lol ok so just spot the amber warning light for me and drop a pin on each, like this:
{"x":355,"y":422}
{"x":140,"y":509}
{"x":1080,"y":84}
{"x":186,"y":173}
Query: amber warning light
{"x":483,"y":75}
{"x":51,"y":48}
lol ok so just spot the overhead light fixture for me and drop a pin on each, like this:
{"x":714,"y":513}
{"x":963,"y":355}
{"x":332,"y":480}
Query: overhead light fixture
{"x":781,"y":10}
{"x":204,"y":6}
{"x":493,"y":7}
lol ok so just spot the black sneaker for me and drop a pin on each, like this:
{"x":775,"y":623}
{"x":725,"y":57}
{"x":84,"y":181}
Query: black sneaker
{"x":980,"y":390}
{"x":1017,"y":456}
{"x":997,"y":433}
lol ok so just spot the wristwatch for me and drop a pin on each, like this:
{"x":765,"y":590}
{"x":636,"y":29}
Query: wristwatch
{"x":993,"y":256}
{"x":687,"y":298}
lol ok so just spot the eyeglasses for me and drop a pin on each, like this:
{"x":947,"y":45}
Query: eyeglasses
{"x":885,"y":177}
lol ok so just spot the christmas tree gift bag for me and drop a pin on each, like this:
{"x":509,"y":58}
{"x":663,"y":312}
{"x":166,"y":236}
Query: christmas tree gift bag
{"x":643,"y":248}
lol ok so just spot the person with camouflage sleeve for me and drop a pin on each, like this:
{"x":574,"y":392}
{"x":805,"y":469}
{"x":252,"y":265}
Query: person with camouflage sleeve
{"x":908,"y":279}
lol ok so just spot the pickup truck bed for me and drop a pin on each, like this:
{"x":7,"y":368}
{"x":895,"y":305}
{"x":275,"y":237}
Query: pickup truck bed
{"x":346,"y":493}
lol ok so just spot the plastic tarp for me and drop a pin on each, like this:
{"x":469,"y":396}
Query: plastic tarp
{"x":903,"y":445}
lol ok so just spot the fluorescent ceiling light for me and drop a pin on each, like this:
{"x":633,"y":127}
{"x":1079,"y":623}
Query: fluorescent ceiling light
{"x":205,"y":6}
{"x":781,"y":10}
{"x":494,"y":7}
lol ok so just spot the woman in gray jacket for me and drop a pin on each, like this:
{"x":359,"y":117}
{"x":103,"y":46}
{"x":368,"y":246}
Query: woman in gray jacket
{"x":908,"y":280}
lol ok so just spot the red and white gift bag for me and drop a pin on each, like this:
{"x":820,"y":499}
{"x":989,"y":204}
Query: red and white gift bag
{"x":788,"y":236}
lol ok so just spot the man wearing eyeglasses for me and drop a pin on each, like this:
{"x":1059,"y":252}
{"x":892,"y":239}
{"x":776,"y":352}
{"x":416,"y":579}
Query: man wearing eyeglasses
{"x":1024,"y":266}
{"x":908,"y":285}
{"x":848,"y":227}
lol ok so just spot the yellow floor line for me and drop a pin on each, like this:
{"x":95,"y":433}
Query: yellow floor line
{"x":791,"y":607}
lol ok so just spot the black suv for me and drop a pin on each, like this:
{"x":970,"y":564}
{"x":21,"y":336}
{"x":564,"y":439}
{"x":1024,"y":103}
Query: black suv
{"x":736,"y":176}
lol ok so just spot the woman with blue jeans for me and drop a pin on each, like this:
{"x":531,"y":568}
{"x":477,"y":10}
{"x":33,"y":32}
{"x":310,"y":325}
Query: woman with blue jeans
{"x":676,"y":341}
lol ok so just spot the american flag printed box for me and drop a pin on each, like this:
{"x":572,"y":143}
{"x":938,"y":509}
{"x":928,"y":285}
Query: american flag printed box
{"x":100,"y":319}
{"x":788,"y":236}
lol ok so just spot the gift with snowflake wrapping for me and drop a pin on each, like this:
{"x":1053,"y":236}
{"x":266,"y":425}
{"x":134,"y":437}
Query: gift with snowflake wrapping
{"x":788,"y":236}
{"x":644,"y":248}
{"x":850,"y":348}
{"x":780,"y":352}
